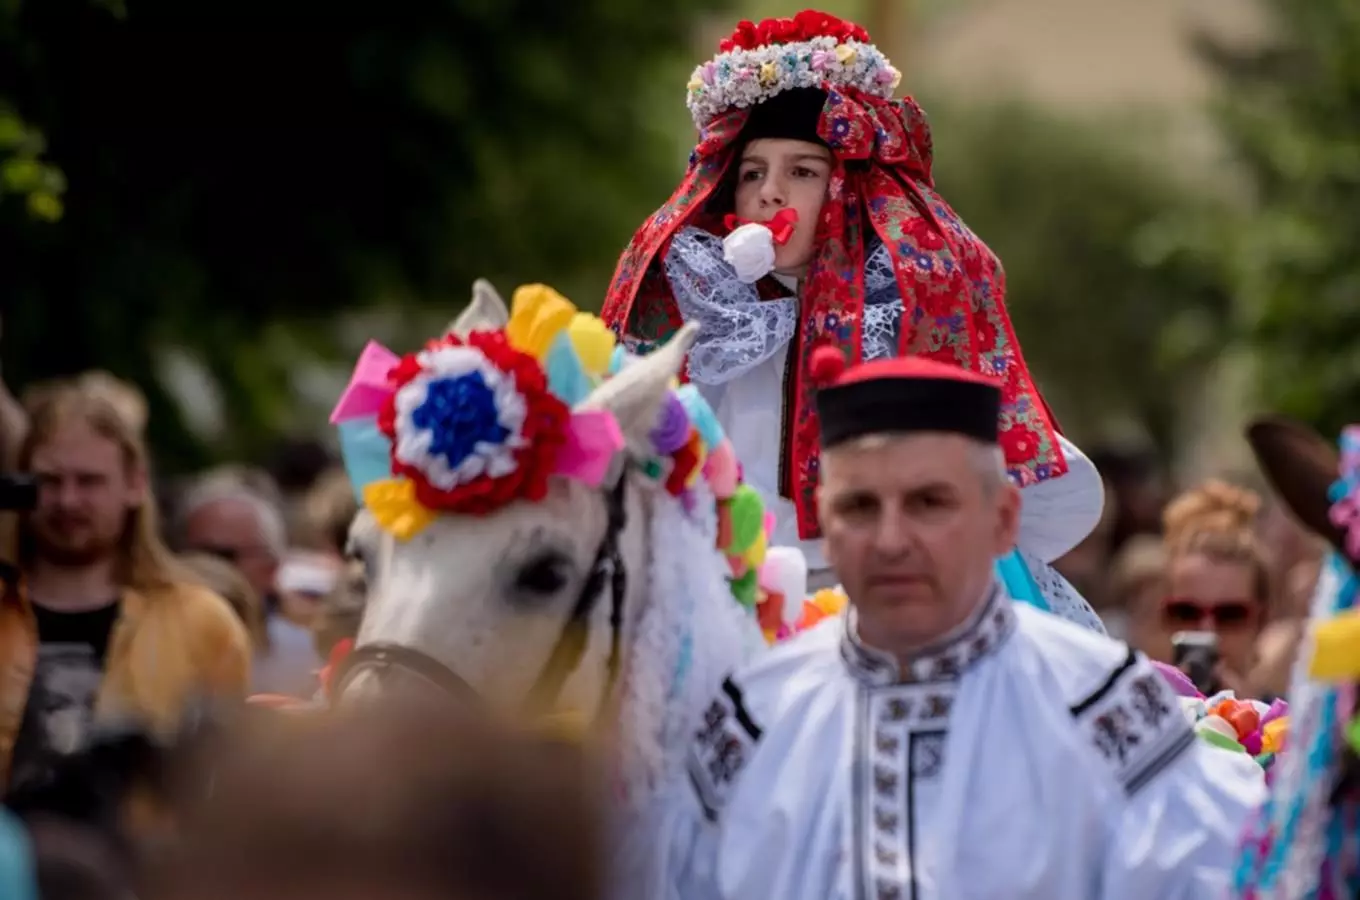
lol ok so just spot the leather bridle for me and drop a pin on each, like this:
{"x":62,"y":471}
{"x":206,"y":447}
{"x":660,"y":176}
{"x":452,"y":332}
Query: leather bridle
{"x":606,"y":573}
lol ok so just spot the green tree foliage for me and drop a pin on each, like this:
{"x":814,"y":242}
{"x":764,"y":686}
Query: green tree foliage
{"x":1291,"y":112}
{"x":236,"y":168}
{"x":1113,"y":325}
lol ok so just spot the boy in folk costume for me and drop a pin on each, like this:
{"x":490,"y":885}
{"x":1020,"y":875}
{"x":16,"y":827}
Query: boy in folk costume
{"x":808,"y":217}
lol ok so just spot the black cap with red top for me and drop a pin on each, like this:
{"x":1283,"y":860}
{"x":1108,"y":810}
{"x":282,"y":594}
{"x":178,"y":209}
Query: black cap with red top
{"x":902,"y":396}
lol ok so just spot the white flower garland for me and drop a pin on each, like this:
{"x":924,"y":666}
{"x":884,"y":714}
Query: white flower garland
{"x":741,"y":78}
{"x":412,"y":445}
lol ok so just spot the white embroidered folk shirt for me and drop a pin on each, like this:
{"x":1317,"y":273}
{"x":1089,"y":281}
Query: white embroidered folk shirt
{"x":1024,"y":757}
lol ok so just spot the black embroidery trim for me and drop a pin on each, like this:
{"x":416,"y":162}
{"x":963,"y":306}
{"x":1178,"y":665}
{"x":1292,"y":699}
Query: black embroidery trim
{"x":927,"y":754}
{"x":860,"y":788}
{"x":1135,"y":723}
{"x":1129,"y":662}
{"x":706,"y":803}
{"x":739,"y":709}
{"x":720,"y":751}
{"x":913,"y":859}
{"x":1149,"y":770}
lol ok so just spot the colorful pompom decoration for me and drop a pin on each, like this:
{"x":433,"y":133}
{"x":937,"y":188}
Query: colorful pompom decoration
{"x":1242,"y":726}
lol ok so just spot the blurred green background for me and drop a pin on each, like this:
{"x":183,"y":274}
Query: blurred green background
{"x":221,"y":202}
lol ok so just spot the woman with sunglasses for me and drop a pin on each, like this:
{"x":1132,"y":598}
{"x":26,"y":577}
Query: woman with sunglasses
{"x":1217,"y":580}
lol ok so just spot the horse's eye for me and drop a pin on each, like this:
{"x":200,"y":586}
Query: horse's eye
{"x":356,"y":564}
{"x":544,"y":576}
{"x":356,"y":572}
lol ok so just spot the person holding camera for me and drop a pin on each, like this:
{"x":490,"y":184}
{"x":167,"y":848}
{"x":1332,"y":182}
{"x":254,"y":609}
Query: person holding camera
{"x":97,"y":618}
{"x":1217,"y":588}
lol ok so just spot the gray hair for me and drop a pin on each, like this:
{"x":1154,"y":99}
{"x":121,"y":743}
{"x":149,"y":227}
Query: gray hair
{"x":988,"y":460}
{"x":224,"y":488}
{"x":990,"y":463}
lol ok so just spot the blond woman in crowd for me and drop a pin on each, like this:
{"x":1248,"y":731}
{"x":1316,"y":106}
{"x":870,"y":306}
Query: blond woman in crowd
{"x":1217,"y":578}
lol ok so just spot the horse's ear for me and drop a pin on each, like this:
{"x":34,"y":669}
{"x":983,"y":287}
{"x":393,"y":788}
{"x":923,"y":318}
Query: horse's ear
{"x":1300,"y":466}
{"x":486,"y":312}
{"x":635,"y":395}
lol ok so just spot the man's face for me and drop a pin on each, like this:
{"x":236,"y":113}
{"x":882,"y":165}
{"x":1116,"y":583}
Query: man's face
{"x":912,"y":525}
{"x":85,"y":491}
{"x":230,"y":529}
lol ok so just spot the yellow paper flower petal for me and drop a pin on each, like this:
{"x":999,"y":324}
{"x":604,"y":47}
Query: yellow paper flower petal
{"x":537,"y":315}
{"x":769,"y":73}
{"x":830,"y":601}
{"x":755,"y":554}
{"x":593,"y":342}
{"x":1273,"y":734}
{"x":394,"y":507}
{"x":845,"y":53}
{"x":1336,"y":648}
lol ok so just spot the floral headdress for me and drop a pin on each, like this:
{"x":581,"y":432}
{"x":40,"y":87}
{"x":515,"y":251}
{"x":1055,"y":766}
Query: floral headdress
{"x":472,"y":423}
{"x":813,"y":49}
{"x":947,"y":278}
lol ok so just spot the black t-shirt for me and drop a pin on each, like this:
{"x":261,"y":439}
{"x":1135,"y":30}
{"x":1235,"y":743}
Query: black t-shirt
{"x":70,"y":668}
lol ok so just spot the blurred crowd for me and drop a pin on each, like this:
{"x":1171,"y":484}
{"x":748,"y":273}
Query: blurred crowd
{"x":1222,"y":556}
{"x":269,"y":539}
{"x":125,"y":574}
{"x":142,"y":597}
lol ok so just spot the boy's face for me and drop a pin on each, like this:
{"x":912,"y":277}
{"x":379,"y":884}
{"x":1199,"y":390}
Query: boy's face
{"x":779,"y":173}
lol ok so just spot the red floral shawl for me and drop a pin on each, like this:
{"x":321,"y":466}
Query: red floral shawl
{"x":952,"y":286}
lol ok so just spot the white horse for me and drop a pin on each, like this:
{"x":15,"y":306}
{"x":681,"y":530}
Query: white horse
{"x":610,"y":602}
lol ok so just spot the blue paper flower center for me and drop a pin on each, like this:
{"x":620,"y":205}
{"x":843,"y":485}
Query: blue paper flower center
{"x":461,"y":413}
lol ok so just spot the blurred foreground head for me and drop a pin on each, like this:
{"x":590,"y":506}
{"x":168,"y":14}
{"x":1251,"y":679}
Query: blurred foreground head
{"x":392,"y":804}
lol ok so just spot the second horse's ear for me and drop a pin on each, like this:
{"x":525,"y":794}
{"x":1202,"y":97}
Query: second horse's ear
{"x":1301,"y":466}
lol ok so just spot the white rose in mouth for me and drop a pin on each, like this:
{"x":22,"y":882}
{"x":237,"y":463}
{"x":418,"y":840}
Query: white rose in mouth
{"x":750,"y":250}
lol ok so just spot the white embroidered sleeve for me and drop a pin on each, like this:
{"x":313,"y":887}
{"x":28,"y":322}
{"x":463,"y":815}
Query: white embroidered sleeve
{"x":688,"y":848}
{"x":1174,"y":834}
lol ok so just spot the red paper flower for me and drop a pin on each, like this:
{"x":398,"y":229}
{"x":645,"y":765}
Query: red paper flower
{"x":465,"y":414}
{"x":743,"y":38}
{"x":804,"y":26}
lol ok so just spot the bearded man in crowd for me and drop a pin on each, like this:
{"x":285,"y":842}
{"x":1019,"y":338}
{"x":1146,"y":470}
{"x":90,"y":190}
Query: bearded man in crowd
{"x":98,"y":620}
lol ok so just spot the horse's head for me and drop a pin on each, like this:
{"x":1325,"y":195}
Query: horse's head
{"x":490,"y":569}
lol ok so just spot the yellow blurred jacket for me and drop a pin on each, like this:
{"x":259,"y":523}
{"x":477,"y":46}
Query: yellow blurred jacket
{"x":167,"y":648}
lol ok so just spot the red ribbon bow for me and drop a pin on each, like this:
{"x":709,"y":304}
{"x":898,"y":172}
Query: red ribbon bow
{"x":781,"y":225}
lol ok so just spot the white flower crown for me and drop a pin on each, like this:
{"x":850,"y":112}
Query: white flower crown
{"x":742,"y":78}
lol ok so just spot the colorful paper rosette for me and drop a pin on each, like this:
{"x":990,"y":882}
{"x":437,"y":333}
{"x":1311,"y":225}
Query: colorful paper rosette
{"x":473,"y":422}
